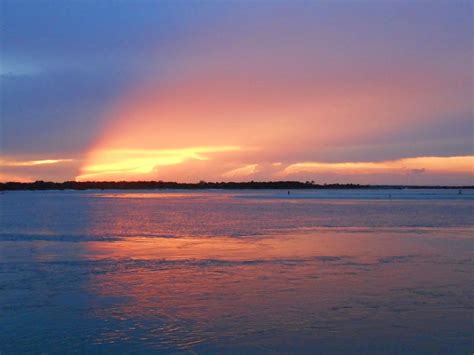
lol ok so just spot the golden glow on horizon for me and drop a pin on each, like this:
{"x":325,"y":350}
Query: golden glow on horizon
{"x":142,"y":164}
{"x":14,"y":178}
{"x":129,"y":164}
{"x":119,"y":164}
{"x":461,"y":164}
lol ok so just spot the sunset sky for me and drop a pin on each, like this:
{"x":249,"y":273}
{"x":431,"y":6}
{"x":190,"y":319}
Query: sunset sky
{"x":355,"y":91}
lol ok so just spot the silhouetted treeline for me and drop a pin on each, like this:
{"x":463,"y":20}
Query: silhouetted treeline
{"x":150,"y":185}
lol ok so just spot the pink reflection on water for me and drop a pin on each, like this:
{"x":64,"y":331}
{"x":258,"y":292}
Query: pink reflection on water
{"x":258,"y":293}
{"x":157,"y":195}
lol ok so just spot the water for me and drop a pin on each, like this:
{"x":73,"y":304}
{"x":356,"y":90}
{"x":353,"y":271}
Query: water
{"x":236,"y":272}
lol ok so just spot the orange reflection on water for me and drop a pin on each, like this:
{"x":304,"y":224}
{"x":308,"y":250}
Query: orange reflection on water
{"x":264,"y":290}
{"x":307,"y":244}
{"x":213,"y":248}
{"x":154,"y":195}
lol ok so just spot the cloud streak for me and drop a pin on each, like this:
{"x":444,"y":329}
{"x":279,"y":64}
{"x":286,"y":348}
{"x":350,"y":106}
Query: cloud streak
{"x":29,"y":163}
{"x":244,"y":171}
{"x":459,"y":164}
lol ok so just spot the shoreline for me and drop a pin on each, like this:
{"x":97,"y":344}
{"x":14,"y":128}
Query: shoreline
{"x":252,"y":185}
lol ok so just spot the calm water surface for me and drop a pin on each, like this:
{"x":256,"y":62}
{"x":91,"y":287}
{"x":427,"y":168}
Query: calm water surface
{"x":237,"y":272}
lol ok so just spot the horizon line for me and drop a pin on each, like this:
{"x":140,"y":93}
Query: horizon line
{"x":156,"y":184}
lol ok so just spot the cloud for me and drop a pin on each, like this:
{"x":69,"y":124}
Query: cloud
{"x":28,"y":163}
{"x":459,"y":164}
{"x":243,"y":171}
{"x":449,"y":170}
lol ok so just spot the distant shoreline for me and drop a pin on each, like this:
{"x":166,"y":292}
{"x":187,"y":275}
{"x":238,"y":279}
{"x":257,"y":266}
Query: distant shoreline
{"x":160,"y":185}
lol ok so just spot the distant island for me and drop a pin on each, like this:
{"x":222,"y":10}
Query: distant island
{"x":157,"y":185}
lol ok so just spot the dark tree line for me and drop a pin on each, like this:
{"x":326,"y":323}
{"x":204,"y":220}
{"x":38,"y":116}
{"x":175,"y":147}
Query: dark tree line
{"x":151,"y":185}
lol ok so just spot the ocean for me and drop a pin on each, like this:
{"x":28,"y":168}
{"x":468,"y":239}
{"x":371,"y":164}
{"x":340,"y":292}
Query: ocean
{"x":313,"y":271}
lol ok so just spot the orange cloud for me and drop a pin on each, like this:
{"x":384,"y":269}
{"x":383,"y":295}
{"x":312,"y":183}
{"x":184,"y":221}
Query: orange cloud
{"x":459,"y":164}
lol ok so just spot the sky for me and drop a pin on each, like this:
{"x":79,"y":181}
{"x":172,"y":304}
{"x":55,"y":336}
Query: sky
{"x":343,"y":91}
